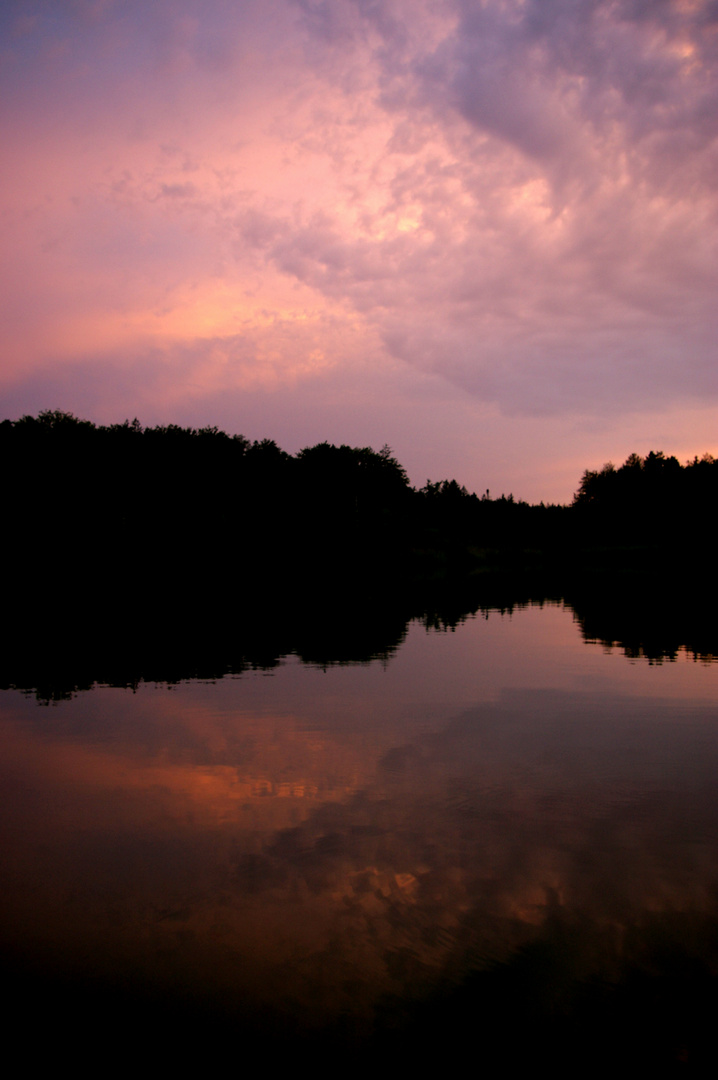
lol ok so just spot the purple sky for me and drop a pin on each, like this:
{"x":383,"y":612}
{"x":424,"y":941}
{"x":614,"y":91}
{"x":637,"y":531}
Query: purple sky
{"x":481,"y":232}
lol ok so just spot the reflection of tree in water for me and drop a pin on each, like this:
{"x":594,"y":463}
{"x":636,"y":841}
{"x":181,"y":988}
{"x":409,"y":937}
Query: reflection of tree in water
{"x":205,"y":639}
{"x":208,"y":638}
{"x":178,"y":636}
{"x":651,"y":619}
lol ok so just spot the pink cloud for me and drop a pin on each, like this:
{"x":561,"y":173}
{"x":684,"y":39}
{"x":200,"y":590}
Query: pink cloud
{"x":518,"y":199}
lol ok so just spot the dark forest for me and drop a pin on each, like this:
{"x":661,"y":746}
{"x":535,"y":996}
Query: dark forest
{"x":173,"y":552}
{"x":169,"y":503}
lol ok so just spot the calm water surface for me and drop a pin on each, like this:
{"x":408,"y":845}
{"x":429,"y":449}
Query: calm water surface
{"x":501,"y":824}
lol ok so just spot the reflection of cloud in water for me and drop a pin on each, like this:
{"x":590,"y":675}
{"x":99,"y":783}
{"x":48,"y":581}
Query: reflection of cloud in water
{"x":310,"y":872}
{"x":472,"y":838}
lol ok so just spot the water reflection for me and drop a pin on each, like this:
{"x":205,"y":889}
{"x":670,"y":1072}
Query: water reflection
{"x":502,"y":826}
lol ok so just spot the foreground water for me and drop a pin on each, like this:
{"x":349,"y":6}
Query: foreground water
{"x":501,"y":836}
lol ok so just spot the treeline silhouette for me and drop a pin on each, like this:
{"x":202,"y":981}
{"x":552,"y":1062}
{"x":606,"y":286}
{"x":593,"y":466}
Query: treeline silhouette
{"x":124,"y":505}
{"x":123,"y":501}
{"x":169,"y":552}
{"x":653,"y":503}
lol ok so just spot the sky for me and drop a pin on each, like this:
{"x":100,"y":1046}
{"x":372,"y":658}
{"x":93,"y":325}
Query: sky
{"x":482,"y":232}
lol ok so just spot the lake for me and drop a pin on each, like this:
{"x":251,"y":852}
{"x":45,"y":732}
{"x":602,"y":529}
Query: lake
{"x":498,"y":839}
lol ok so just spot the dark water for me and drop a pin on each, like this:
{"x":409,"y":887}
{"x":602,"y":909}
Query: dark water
{"x":500,"y":841}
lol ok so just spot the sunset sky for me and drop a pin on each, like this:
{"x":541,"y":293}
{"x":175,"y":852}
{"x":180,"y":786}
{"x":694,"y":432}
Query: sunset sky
{"x":481,"y":232}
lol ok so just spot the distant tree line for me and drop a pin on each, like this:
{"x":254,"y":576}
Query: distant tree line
{"x":652,"y":504}
{"x":173,"y":552}
{"x":133,"y":507}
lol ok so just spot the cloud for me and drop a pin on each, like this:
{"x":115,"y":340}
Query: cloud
{"x":516,"y":197}
{"x":559,"y":204}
